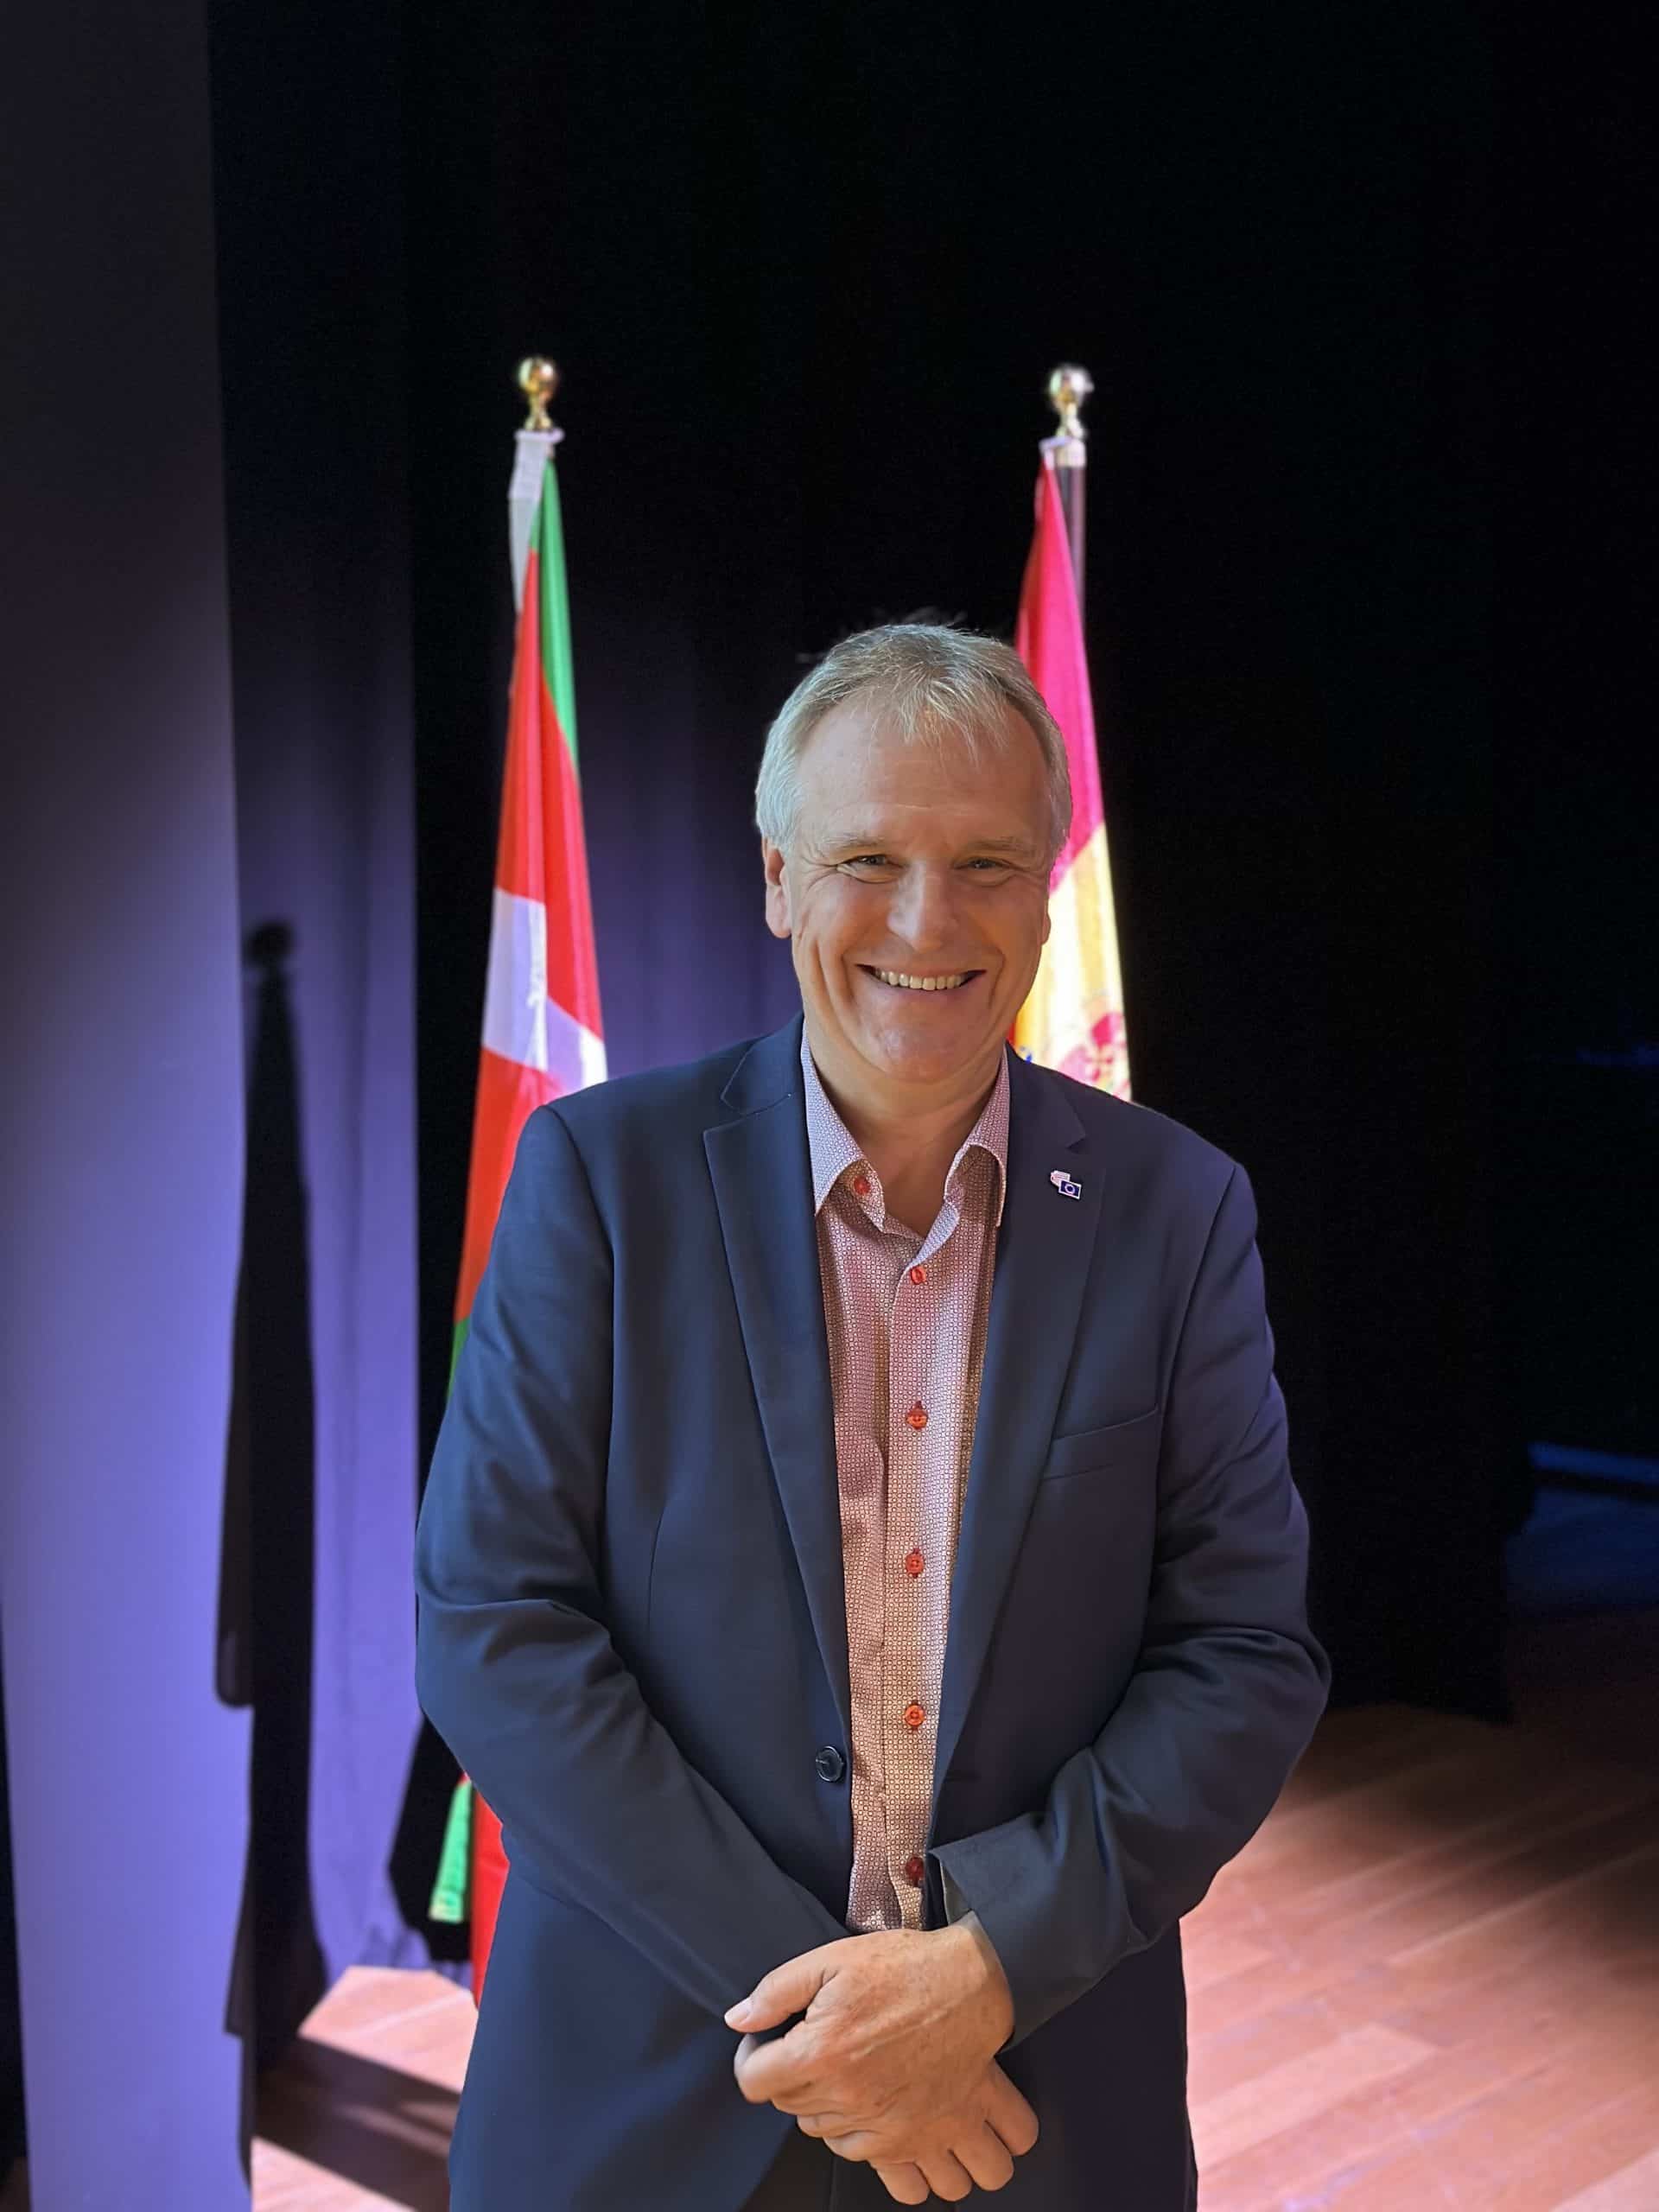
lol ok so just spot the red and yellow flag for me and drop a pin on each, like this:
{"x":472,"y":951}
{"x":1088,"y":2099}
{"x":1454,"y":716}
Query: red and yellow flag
{"x":1073,"y":1019}
{"x":542,"y":1032}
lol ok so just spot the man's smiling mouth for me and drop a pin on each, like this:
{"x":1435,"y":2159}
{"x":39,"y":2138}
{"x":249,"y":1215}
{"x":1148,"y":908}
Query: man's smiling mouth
{"x":897,"y":980}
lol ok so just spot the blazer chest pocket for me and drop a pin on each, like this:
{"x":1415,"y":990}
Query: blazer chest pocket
{"x":1119,"y":1447}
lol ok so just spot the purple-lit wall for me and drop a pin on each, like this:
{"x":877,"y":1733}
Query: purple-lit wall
{"x":121,"y":1163}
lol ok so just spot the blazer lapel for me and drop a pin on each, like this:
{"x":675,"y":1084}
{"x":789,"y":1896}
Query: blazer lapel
{"x":1043,"y":1252}
{"x":763,"y":1188}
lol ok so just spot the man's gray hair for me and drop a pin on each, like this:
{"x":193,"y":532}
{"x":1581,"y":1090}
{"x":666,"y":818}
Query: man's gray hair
{"x":930,"y":681}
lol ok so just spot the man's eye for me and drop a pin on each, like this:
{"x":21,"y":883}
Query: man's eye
{"x":867,"y":859}
{"x":986,"y":862}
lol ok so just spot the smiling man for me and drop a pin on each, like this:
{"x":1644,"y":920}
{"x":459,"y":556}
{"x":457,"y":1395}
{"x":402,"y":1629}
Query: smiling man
{"x":861,"y":1563}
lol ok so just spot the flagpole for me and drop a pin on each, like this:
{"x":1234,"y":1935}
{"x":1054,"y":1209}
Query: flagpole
{"x":1068,"y":387}
{"x":539,"y":379}
{"x":542,"y":1037}
{"x":469,"y":1826}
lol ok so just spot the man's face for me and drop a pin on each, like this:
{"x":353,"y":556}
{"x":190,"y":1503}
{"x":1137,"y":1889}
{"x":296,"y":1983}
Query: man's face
{"x":919,"y":862}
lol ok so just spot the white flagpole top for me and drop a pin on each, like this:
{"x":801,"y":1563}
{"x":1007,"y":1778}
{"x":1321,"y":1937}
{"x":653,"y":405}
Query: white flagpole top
{"x":532,"y":450}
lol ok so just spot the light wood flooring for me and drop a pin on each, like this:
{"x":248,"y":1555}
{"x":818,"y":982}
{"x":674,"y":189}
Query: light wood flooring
{"x":1431,"y":1980}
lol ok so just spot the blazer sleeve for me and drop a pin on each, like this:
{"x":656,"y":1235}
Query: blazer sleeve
{"x":515,"y":1664}
{"x":1226,"y":1691}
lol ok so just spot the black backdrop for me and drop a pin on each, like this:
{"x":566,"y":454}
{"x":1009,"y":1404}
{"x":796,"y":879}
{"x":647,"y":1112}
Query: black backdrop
{"x":1365,"y":294}
{"x":1359,"y":290}
{"x":807,"y":270}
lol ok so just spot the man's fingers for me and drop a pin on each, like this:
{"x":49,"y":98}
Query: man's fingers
{"x":1008,"y":2113}
{"x":788,"y":1988}
{"x":947,"y":2177}
{"x":777,"y":2071}
{"x":858,"y":2146}
{"x":905,"y":2184}
{"x":989,"y":2161}
{"x":811,"y":2121}
{"x":962,"y":2153}
{"x":804,"y":2098}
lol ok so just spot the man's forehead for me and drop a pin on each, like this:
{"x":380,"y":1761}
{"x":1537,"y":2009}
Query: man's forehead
{"x":866,"y":779}
{"x":974,"y":826}
{"x":854,"y":752}
{"x":870,"y":720}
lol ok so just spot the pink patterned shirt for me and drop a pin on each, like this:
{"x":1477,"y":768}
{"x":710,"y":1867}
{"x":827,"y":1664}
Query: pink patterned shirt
{"x":906,"y":1317}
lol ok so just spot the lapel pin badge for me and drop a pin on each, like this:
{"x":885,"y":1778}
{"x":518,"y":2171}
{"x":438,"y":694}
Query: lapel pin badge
{"x":1064,"y":1184}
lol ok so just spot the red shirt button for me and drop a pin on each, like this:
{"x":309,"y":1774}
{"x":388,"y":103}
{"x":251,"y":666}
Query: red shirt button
{"x":918,"y":1275}
{"x":917,"y":1416}
{"x":914,"y":1716}
{"x":914,"y":1563}
{"x":861,"y":1185}
{"x":914,"y":1870}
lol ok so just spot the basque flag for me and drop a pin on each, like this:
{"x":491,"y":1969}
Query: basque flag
{"x":542,"y":1033}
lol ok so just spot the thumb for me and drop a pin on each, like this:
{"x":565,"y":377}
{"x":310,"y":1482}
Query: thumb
{"x":788,"y":1988}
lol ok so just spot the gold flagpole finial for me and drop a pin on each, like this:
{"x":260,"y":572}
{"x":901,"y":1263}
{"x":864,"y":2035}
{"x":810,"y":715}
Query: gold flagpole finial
{"x":539,"y":379}
{"x":1068,"y":388}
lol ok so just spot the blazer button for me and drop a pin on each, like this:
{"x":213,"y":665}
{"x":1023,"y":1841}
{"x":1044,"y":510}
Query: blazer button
{"x":830,"y":1764}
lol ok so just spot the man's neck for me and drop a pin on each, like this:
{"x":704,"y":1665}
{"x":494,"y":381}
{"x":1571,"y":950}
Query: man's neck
{"x":910,"y":1134}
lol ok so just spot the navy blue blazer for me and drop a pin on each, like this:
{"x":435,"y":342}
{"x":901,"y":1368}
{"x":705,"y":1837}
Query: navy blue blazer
{"x":633,"y":1631}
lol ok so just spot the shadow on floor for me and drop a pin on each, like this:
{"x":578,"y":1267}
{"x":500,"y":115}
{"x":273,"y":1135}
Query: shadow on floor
{"x":382,"y":2130}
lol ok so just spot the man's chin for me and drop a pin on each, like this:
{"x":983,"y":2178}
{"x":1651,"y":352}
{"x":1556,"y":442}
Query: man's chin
{"x":927,"y":1062}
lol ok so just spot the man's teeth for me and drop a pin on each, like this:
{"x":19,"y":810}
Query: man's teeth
{"x":922,"y":982}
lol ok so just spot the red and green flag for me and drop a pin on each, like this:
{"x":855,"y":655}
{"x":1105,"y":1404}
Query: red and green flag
{"x":542,"y":1033}
{"x":1073,"y":1019}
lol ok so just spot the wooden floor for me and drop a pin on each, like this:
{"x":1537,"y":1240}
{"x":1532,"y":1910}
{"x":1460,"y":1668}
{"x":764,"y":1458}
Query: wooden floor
{"x":1432,"y":1981}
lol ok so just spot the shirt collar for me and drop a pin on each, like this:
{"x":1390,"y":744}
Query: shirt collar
{"x":834,"y":1149}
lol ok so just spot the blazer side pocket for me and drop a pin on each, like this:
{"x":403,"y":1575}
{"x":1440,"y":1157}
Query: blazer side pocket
{"x":1119,"y":1444}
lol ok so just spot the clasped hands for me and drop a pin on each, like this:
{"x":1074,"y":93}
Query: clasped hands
{"x":894,"y":2062}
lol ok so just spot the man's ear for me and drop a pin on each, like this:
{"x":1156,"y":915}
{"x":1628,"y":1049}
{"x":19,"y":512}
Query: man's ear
{"x":771,"y":863}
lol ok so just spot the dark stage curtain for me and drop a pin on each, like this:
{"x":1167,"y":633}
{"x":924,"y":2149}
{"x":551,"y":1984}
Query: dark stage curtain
{"x":1578,"y":1154}
{"x":806,"y":269}
{"x":316,"y":379}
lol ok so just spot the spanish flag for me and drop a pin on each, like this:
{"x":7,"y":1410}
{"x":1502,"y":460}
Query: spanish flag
{"x":1073,"y":1019}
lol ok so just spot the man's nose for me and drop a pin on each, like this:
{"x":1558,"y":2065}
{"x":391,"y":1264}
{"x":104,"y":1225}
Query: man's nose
{"x":923,"y":910}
